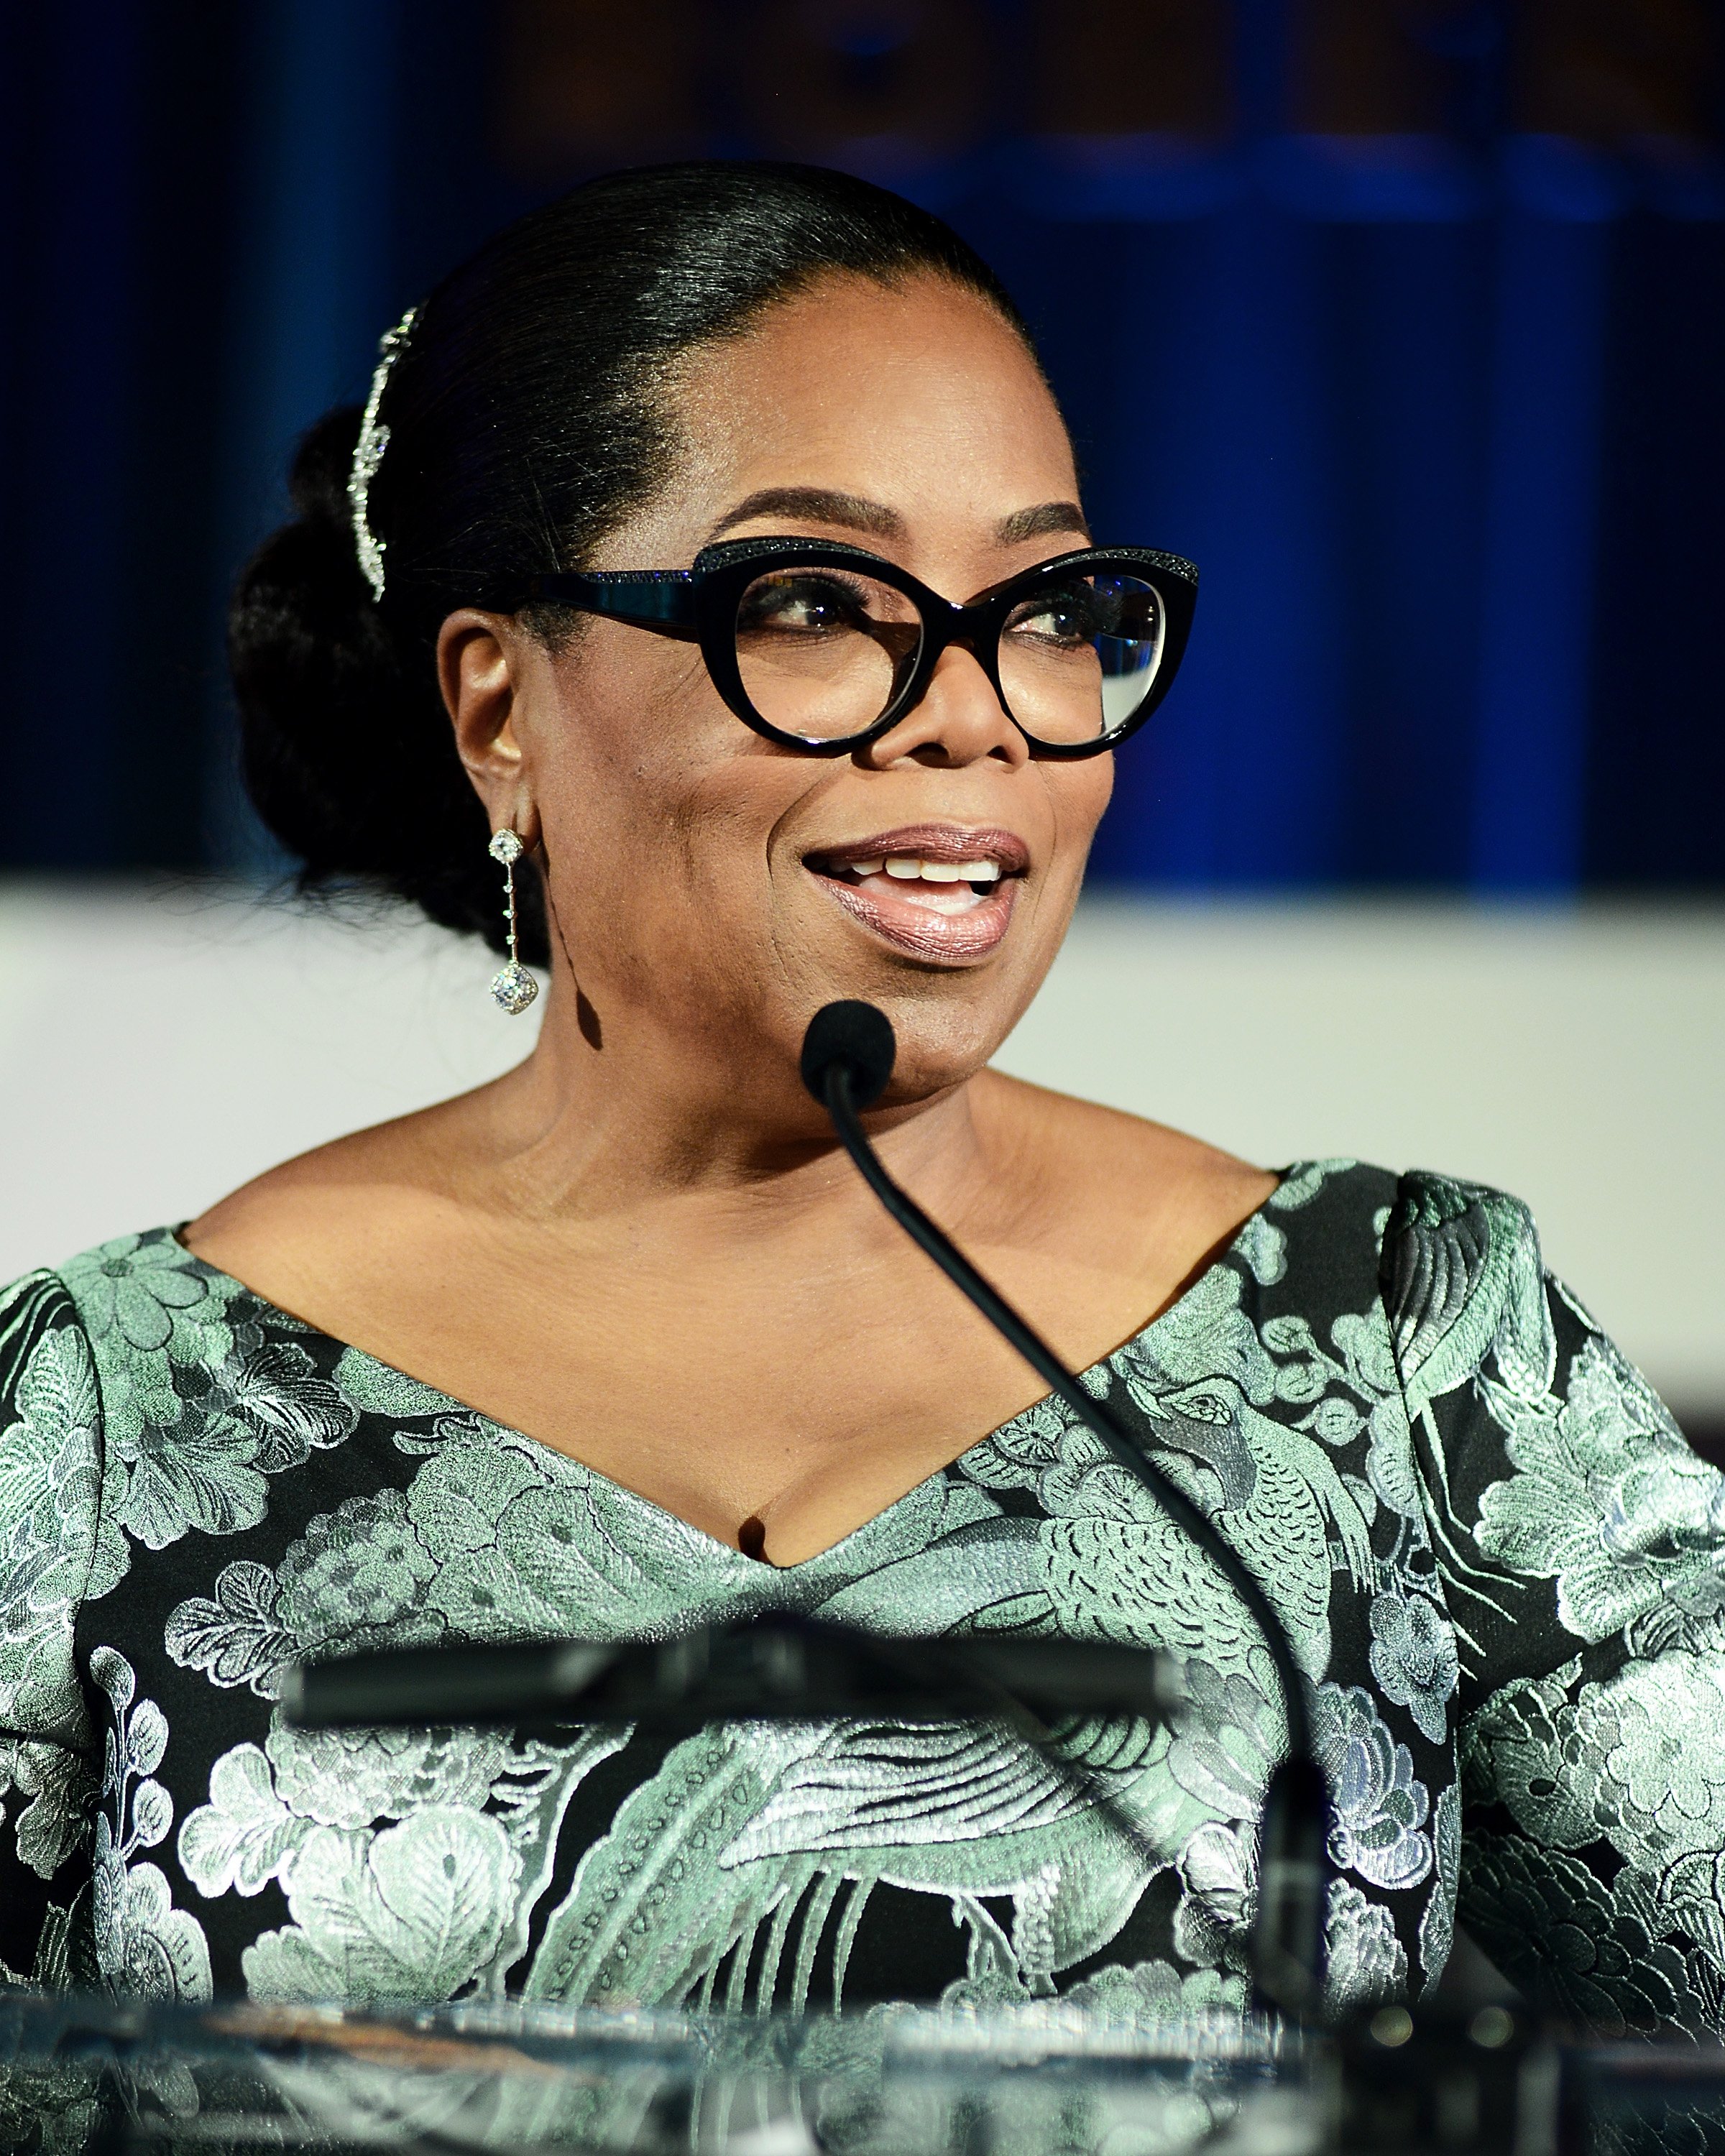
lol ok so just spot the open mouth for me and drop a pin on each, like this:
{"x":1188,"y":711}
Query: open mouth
{"x":938,"y":890}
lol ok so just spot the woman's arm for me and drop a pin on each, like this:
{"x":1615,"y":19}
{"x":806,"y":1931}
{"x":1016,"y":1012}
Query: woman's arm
{"x":51,"y":1488}
{"x":1581,"y":1547}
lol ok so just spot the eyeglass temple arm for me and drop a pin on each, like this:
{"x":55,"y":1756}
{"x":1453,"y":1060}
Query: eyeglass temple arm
{"x":653,"y":598}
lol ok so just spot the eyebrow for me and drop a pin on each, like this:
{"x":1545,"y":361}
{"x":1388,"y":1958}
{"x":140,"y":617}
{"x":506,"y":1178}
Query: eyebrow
{"x":823,"y":505}
{"x":828,"y":505}
{"x":1041,"y":522}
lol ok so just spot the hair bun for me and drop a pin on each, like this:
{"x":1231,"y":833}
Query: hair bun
{"x":351,"y":766}
{"x":317,"y":477}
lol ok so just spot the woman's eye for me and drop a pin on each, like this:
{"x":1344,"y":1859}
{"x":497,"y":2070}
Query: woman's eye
{"x":801,"y":605}
{"x":1066,"y":620}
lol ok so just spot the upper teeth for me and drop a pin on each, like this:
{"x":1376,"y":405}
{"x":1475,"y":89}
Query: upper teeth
{"x":908,"y":868}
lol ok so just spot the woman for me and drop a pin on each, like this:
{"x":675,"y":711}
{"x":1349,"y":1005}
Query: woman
{"x":619,"y":1345}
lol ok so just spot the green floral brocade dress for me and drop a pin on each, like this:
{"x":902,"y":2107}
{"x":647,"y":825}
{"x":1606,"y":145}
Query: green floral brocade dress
{"x":1500,"y":1567}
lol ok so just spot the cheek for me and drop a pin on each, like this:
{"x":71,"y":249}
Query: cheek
{"x":659,"y":807}
{"x":628,"y":732}
{"x":1082,"y":792}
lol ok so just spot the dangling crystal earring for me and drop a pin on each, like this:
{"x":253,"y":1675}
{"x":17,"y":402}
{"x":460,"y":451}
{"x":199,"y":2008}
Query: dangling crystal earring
{"x":513,"y":986}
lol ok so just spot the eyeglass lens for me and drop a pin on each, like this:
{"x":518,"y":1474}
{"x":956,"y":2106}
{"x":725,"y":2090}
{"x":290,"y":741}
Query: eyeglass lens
{"x":1077,"y":661}
{"x":823,"y":653}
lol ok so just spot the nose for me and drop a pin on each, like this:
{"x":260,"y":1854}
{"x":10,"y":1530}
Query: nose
{"x":959,"y":721}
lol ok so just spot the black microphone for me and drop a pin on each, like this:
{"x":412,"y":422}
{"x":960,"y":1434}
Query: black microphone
{"x":847,"y":1060}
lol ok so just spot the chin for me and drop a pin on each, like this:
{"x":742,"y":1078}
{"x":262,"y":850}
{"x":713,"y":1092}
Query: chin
{"x":945,"y":1036}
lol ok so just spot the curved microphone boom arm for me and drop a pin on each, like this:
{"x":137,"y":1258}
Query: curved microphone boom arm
{"x":848,"y":1055}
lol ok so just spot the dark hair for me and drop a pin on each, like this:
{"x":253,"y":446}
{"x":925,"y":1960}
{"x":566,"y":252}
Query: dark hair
{"x":526,"y":418}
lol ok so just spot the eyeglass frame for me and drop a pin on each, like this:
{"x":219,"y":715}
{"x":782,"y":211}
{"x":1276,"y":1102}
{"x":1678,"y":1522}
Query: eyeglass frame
{"x":700,"y":605}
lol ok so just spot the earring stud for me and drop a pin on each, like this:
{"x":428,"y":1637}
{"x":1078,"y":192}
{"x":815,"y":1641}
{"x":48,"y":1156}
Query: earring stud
{"x":513,"y":988}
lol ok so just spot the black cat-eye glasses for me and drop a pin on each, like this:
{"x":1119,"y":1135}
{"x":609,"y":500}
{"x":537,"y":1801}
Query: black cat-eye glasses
{"x":823,"y":646}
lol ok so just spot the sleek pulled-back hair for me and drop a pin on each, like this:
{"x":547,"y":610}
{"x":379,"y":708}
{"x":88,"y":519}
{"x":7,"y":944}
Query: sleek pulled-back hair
{"x":528,"y":417}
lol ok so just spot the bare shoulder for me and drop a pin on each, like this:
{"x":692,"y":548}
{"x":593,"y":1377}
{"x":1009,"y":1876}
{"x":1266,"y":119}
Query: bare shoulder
{"x":1134,"y":1186}
{"x":329,"y":1216}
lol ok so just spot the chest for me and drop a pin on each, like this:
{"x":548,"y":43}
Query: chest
{"x":779,"y":1402}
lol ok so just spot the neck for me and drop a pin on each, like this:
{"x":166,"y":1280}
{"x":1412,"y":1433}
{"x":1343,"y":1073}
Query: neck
{"x":619,"y":1118}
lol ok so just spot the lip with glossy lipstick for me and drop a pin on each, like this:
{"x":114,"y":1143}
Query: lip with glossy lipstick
{"x":937,"y":891}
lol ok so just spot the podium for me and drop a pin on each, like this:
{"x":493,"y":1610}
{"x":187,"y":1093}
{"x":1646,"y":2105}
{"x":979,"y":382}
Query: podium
{"x":87,"y":2077}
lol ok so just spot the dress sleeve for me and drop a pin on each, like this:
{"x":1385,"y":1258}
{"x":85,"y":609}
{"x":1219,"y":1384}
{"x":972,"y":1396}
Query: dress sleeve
{"x":1581,"y":1548}
{"x":55,"y":1550}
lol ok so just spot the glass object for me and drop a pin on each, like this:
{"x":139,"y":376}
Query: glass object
{"x":498,"y":2078}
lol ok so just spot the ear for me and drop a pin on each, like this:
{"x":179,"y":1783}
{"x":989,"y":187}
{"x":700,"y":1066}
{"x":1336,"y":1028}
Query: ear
{"x":482,"y":661}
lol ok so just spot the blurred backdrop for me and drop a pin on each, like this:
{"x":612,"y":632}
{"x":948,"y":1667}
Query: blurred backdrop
{"x":1404,"y":318}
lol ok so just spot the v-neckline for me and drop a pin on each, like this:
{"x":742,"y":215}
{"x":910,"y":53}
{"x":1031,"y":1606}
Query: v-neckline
{"x":752,"y":1567}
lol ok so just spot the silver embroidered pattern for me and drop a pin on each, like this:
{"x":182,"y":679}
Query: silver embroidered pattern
{"x":368,"y":454}
{"x":512,"y":987}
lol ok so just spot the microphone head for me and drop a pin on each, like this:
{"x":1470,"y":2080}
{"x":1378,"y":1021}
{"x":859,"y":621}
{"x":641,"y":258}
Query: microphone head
{"x":857,"y":1035}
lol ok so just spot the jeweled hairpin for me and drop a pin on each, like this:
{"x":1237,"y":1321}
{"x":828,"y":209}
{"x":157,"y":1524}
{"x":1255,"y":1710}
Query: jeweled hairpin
{"x":368,"y":454}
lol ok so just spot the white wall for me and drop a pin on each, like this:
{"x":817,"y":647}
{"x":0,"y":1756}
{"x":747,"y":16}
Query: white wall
{"x":159,"y":1045}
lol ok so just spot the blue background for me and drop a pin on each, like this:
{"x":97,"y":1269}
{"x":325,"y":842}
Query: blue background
{"x":1405,"y":319}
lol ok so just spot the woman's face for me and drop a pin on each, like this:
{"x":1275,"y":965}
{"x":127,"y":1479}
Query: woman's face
{"x":712,"y":889}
